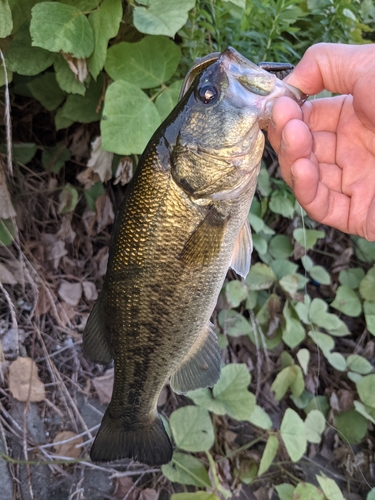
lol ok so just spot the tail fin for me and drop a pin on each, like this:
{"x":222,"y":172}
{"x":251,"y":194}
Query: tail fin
{"x":148,"y":445}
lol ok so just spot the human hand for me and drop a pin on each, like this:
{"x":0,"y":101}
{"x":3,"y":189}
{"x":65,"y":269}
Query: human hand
{"x":326,"y":149}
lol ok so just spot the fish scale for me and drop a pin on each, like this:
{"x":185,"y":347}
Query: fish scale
{"x":182,"y":223}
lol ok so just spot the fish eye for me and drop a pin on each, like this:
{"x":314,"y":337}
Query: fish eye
{"x":208,"y":94}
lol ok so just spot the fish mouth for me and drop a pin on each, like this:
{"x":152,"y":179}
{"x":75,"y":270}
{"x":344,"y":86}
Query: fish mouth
{"x":257,"y":80}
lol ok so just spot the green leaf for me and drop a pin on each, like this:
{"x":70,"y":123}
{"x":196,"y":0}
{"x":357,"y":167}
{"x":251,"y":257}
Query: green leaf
{"x":192,"y":428}
{"x":369,"y":310}
{"x":2,"y":75}
{"x":303,"y":356}
{"x":235,"y":292}
{"x":204,"y":398}
{"x":307,"y":491}
{"x":282,"y":267}
{"x":68,"y":199}
{"x":319,"y":316}
{"x":289,"y":284}
{"x":268,"y":310}
{"x":24,"y":152}
{"x":129,"y":119}
{"x":145,"y":64}
{"x":260,"y":418}
{"x":264,"y":184}
{"x":318,"y":403}
{"x":371,"y":494}
{"x":260,"y":277}
{"x":293,"y":331}
{"x":66,"y":78}
{"x":336,"y":360}
{"x":307,"y":262}
{"x":280,"y":247}
{"x":285,"y":491}
{"x":352,"y":426}
{"x":21,"y":12}
{"x":315,"y":424}
{"x":85,"y":109}
{"x":6,"y":21}
{"x":185,"y":469}
{"x":320,"y":275}
{"x":282,"y":202}
{"x":322,"y":340}
{"x":367,"y":285}
{"x":293,"y":433}
{"x":167,"y":100}
{"x":93,"y":194}
{"x":56,"y":26}
{"x":364,"y":250}
{"x":24,"y":59}
{"x":198,"y":495}
{"x":347,"y":301}
{"x":105,"y":24}
{"x":307,"y":237}
{"x":45,"y":89}
{"x":248,"y":471}
{"x":233,"y":323}
{"x":54,"y":159}
{"x":329,"y":488}
{"x":7,"y":232}
{"x":366,"y":411}
{"x":60,"y":121}
{"x":231,"y":391}
{"x":365,"y":388}
{"x":259,"y":244}
{"x":269,"y":454}
{"x":162,"y":17}
{"x":351,"y":277}
{"x":290,"y":377}
{"x":359,"y":364}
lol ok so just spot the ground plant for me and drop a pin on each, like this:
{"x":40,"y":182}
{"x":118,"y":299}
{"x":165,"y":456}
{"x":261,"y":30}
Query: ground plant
{"x":83,"y":85}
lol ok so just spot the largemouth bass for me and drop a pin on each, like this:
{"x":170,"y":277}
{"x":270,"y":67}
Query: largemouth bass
{"x":182,"y":224}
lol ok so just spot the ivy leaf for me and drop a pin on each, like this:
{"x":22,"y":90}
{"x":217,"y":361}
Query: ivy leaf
{"x":369,"y":310}
{"x":367,"y":285}
{"x":282,"y":202}
{"x":192,"y":428}
{"x":364,"y":250}
{"x":359,"y":364}
{"x":285,"y":491}
{"x":260,"y":418}
{"x":351,"y":277}
{"x":68,"y":199}
{"x":283,"y":267}
{"x":293,"y":331}
{"x":347,"y":302}
{"x":24,"y":152}
{"x":289,"y":377}
{"x":307,"y":237}
{"x":54,"y":159}
{"x":320,"y":275}
{"x":162,"y":17}
{"x":269,"y":454}
{"x":280,"y":247}
{"x":319,"y":316}
{"x":307,"y":491}
{"x":7,"y":232}
{"x":352,"y":425}
{"x":329,"y":488}
{"x":198,"y":495}
{"x":315,"y":424}
{"x":168,"y":99}
{"x":24,"y":59}
{"x":235,"y":292}
{"x":204,"y":398}
{"x":231,"y":391}
{"x":303,"y":356}
{"x":233,"y":323}
{"x":6,"y":21}
{"x":145,"y":64}
{"x":105,"y":23}
{"x":46,"y":90}
{"x":56,"y":26}
{"x":66,"y":78}
{"x":260,"y":277}
{"x":85,"y":109}
{"x":129,"y":119}
{"x":293,"y":434}
{"x":366,"y":411}
{"x":185,"y":469}
{"x":365,"y":388}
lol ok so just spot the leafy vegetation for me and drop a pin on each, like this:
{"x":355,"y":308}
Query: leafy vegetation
{"x":297,"y":334}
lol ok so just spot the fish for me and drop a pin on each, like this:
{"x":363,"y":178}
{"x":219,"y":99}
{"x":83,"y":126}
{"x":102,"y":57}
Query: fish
{"x":181,"y":226}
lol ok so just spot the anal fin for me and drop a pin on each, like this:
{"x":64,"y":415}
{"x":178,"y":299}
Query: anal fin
{"x":241,"y":257}
{"x":95,"y":345}
{"x":201,"y":366}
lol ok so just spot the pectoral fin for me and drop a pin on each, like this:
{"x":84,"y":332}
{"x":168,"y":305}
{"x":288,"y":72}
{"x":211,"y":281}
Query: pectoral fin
{"x":95,"y":345}
{"x":241,"y":257}
{"x":205,"y":242}
{"x":201,"y":367}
